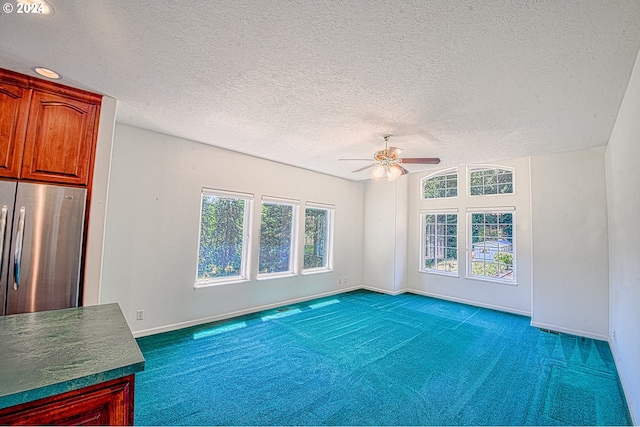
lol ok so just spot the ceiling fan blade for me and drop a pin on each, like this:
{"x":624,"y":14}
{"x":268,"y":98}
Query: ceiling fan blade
{"x":358,"y":159}
{"x":422,"y":160}
{"x":366,"y":167}
{"x":404,"y":171}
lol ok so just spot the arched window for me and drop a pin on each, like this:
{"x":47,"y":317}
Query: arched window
{"x":485,"y":180}
{"x":440,"y":185}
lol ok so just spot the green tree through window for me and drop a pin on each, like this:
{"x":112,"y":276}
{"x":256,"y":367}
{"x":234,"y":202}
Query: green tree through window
{"x":440,"y":244}
{"x":222,"y":231}
{"x":492,"y":253}
{"x":276,"y":238}
{"x":444,"y":184}
{"x":316,"y":238}
{"x":490,"y":181}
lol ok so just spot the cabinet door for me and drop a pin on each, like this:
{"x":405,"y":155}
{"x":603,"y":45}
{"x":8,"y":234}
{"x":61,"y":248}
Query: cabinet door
{"x":14,"y":109}
{"x":109,"y":403}
{"x":60,"y":139}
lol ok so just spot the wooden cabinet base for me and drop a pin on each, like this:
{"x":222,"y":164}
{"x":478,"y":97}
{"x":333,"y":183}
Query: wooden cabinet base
{"x":108,"y":403}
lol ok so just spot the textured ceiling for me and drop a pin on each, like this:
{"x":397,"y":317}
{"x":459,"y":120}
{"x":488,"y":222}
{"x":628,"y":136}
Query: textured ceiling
{"x":307,"y":82}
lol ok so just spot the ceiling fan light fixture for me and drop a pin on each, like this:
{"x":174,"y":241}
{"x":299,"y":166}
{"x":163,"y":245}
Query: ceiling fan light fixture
{"x":387,"y":163}
{"x":394,"y":172}
{"x":378,"y":172}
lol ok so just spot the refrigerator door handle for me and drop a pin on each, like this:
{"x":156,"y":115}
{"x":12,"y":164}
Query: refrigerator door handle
{"x":3,"y":227}
{"x":17,"y":260}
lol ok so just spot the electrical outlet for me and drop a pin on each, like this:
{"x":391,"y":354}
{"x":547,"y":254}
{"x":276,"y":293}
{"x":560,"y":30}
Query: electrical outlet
{"x":613,"y":334}
{"x":140,"y":315}
{"x":344,"y":280}
{"x":339,"y":281}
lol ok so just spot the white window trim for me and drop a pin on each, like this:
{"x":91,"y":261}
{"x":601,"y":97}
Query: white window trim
{"x":443,"y":172}
{"x":471,"y":168}
{"x":423,"y":236}
{"x":246,"y":239}
{"x":330,"y":217}
{"x":293,"y":257}
{"x":497,"y":210}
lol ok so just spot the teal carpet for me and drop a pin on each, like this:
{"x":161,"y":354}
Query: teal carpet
{"x":363,"y":358}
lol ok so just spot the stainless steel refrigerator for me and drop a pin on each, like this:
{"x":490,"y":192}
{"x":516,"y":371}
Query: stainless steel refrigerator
{"x":41,"y":231}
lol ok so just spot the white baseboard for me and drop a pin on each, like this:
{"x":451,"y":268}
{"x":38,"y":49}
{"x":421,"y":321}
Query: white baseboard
{"x":383,"y":291}
{"x":577,"y":332}
{"x":469,"y":302}
{"x":224,"y":316}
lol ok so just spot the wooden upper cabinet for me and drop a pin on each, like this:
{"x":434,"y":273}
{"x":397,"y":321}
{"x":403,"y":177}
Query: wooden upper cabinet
{"x":14,"y":109}
{"x":48,"y":131}
{"x":60,"y":139}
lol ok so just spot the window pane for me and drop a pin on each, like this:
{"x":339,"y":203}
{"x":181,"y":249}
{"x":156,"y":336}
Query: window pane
{"x":477,"y":218}
{"x":440,"y":243}
{"x":505,"y":178}
{"x":440,"y":186}
{"x":221,"y":237}
{"x":505,"y":189}
{"x":490,"y":181}
{"x":492,"y":245}
{"x":316,"y":238}
{"x":489,"y":178}
{"x":475,"y":179}
{"x":276,"y":225}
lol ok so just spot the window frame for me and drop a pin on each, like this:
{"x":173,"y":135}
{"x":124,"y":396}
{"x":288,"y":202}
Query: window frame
{"x":474,"y":168}
{"x":293,"y":247}
{"x":245,"y":262}
{"x":423,"y":237}
{"x":491,"y":210}
{"x":445,"y":173}
{"x":330,"y":209}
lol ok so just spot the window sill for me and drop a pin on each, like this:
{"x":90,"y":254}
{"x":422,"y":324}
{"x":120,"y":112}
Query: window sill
{"x":440,"y":273}
{"x":492,"y":280}
{"x":219,"y":282}
{"x":312,"y":271}
{"x":270,"y":276}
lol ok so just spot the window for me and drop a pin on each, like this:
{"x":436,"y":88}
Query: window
{"x":484,"y":181}
{"x":277,"y":237}
{"x":439,"y":252}
{"x":318,"y":223}
{"x":492,"y":243}
{"x":443,"y":184}
{"x":223,"y":247}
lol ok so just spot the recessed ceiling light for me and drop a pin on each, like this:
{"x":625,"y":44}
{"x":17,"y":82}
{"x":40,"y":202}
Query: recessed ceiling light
{"x":45,"y":72}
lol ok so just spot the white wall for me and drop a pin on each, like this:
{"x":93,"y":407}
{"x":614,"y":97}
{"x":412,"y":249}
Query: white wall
{"x":561,"y":242}
{"x":152,"y":230}
{"x":506,"y":297}
{"x":623,"y":190}
{"x":98,"y":207}
{"x":385,"y":235}
{"x":570,"y":249}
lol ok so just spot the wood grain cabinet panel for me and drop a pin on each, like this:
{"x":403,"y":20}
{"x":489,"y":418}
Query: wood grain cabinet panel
{"x":60,"y":139}
{"x":48,"y":132}
{"x":109,"y":403}
{"x":14,"y":110}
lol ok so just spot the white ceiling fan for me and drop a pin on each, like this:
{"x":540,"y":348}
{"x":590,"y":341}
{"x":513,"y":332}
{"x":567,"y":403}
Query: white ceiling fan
{"x":387,"y":163}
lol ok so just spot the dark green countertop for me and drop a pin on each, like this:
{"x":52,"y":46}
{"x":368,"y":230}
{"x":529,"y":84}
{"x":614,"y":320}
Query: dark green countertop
{"x":51,"y":352}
